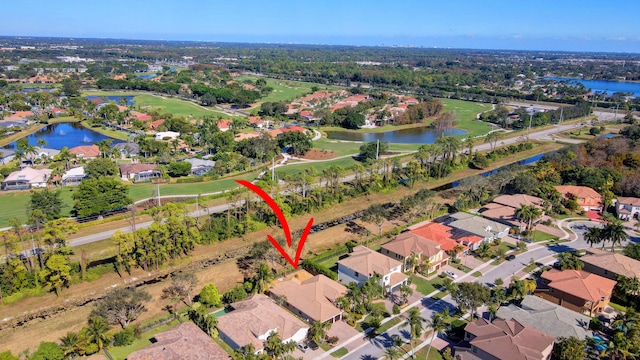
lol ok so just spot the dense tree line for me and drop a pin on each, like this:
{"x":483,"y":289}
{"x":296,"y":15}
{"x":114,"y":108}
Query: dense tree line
{"x":137,"y":84}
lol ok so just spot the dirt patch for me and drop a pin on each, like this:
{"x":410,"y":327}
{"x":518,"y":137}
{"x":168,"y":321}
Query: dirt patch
{"x":315,"y":154}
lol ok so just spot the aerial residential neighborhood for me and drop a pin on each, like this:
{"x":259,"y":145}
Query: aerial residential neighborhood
{"x":319,"y":181}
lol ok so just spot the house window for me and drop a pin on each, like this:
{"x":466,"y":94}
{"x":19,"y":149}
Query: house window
{"x":606,"y":272}
{"x":552,"y":290}
{"x":357,"y":274}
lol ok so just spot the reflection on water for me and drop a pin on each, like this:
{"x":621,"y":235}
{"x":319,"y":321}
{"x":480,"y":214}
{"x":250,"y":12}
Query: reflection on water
{"x":60,"y":135}
{"x":421,"y":135}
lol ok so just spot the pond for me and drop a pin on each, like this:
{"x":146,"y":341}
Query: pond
{"x":115,"y":98}
{"x":419,"y":135}
{"x":150,"y":76}
{"x":60,"y":135}
{"x":609,"y":87}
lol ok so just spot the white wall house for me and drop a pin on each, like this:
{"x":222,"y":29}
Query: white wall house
{"x":363,"y":263}
{"x":628,"y":208}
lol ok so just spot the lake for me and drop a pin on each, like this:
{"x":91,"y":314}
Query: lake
{"x":419,"y":135}
{"x":115,"y":98}
{"x":64,"y":134}
{"x":609,"y":87}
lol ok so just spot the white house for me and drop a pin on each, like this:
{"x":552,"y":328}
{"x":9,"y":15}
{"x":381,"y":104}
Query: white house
{"x":27,"y":178}
{"x":74,"y":176}
{"x":486,"y":229}
{"x":363,"y":263}
{"x":167,"y":134}
{"x":628,"y":208}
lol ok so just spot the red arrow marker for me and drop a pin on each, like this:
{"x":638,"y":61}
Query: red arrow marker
{"x":283,"y":221}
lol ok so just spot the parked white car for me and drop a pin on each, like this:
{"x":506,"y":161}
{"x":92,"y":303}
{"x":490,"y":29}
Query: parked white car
{"x":451,"y":274}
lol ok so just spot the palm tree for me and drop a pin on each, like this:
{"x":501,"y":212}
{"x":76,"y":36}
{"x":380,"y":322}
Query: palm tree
{"x":415,"y":323}
{"x":264,"y":275}
{"x":71,"y":344}
{"x":276,"y":348}
{"x":627,"y":323}
{"x":439,"y":326}
{"x":614,"y":232}
{"x":104,"y":146}
{"x":318,"y":331}
{"x":97,"y":331}
{"x":468,"y":144}
{"x":391,"y":353}
{"x":593,"y":236}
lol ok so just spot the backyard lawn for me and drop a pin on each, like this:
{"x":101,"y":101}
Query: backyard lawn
{"x":121,"y":352}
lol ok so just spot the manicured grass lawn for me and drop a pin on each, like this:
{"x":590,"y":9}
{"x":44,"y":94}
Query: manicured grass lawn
{"x":424,"y":287}
{"x":285,"y":90}
{"x":340,"y":353}
{"x":434,"y":354}
{"x":141,"y":191}
{"x":466,"y":112}
{"x":389,"y":324}
{"x":476,"y":274}
{"x":14,"y":204}
{"x":174,"y":106}
{"x":542,"y":236}
{"x":121,"y":352}
{"x":319,"y":166}
{"x":337,"y":146}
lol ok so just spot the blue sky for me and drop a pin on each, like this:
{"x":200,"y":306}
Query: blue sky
{"x":570,"y":25}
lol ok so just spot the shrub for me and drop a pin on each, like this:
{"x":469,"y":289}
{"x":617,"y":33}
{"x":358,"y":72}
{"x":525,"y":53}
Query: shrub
{"x":396,"y":309}
{"x":210,"y":296}
{"x":316,"y":268}
{"x":124,"y":337}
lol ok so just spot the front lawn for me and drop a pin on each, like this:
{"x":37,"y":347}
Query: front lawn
{"x":538,"y":236}
{"x":423,"y":286}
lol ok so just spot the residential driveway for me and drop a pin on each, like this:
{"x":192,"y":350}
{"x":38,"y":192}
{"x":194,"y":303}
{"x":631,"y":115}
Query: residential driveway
{"x":470,"y":261}
{"x":343,"y":331}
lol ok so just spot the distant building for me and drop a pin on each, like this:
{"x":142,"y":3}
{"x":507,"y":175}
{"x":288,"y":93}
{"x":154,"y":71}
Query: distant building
{"x":6,"y":155}
{"x":128,"y":149}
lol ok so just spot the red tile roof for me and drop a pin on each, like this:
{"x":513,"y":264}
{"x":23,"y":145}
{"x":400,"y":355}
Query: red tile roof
{"x":224,"y":124}
{"x":154,"y":125}
{"x":293,"y":129}
{"x":87,"y":151}
{"x":579,"y":283}
{"x":438,"y":233}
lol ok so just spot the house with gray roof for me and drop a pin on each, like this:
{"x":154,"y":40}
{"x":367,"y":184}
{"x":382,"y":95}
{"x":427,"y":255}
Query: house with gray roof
{"x":200,"y":167}
{"x":6,"y":155}
{"x":128,"y":148}
{"x":488,"y":230}
{"x":548,"y":317}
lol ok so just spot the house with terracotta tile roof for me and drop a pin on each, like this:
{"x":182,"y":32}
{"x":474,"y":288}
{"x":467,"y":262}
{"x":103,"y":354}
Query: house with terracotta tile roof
{"x":547,"y":317}
{"x":293,"y":128}
{"x":59,"y":112}
{"x":185,"y":341}
{"x":85,"y":151}
{"x":576,"y":290}
{"x":408,"y":244}
{"x":312,"y":299}
{"x":154,"y":125}
{"x":587,"y":198}
{"x":259,"y":123}
{"x":224,"y":124}
{"x":140,"y":116}
{"x":610,"y":264}
{"x":363,"y":263}
{"x":241,"y":136}
{"x":447,"y":237}
{"x":252,"y":321}
{"x":628,"y":208}
{"x":504,"y":340}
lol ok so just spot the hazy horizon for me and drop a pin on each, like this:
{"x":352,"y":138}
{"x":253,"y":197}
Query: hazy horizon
{"x":570,"y":25}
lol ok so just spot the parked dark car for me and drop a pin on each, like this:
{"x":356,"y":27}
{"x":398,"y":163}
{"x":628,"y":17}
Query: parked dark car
{"x":510,"y":257}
